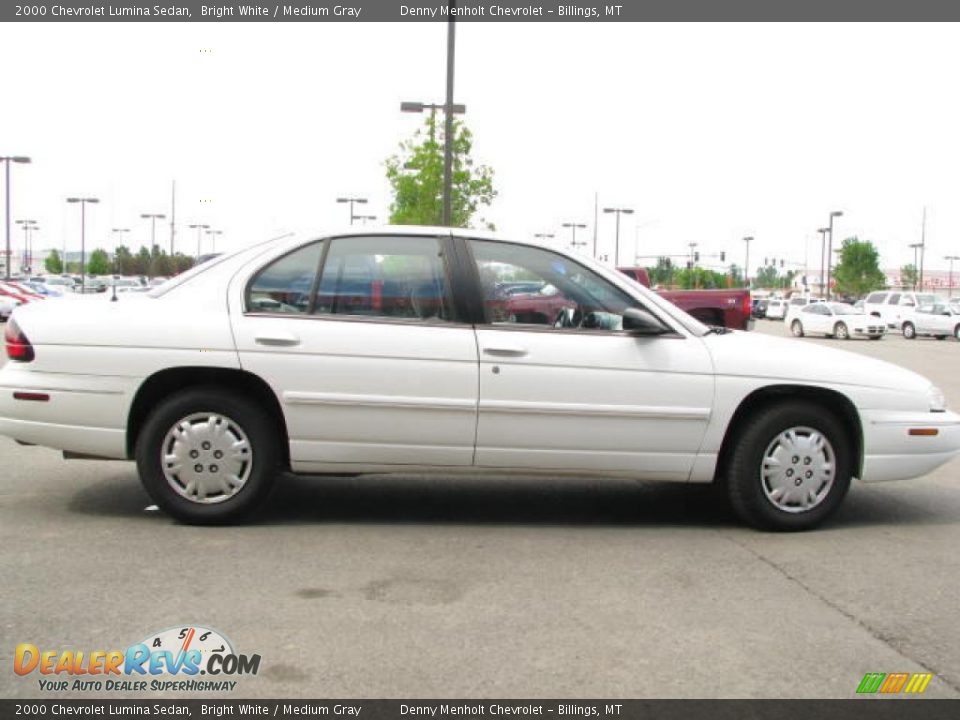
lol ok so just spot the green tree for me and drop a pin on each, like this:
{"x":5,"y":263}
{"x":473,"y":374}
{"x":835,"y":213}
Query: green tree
{"x":99,"y":263}
{"x":663,"y":272}
{"x":858,"y":271}
{"x":766,"y":277}
{"x":125,"y":261}
{"x":53,"y":264}
{"x":909,"y":276}
{"x":181,"y":263}
{"x":141,"y":262}
{"x":416,"y":178}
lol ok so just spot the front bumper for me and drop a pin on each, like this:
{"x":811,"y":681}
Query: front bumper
{"x":891,"y":452}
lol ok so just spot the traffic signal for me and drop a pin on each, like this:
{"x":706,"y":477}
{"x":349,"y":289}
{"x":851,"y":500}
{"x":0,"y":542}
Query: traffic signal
{"x":723,"y":256}
{"x":696,"y":257}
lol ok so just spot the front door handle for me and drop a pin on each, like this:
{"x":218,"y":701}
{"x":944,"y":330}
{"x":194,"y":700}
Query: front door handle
{"x":506,"y":351}
{"x":277,"y":340}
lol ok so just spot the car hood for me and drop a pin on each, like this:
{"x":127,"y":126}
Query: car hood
{"x":753,"y":354}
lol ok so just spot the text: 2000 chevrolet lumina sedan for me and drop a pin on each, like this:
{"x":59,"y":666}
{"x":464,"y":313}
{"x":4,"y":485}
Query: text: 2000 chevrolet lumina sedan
{"x":398,"y":350}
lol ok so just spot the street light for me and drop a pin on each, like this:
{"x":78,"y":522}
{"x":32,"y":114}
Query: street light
{"x":448,"y":110}
{"x":823,"y":254}
{"x":746,"y":264}
{"x":573,"y":227}
{"x":915,"y":246}
{"x":83,"y":237}
{"x":10,"y":159}
{"x":833,"y":214}
{"x":28,"y":227}
{"x":616,"y":247}
{"x":352,"y":200}
{"x":116,"y":263}
{"x":153,"y":217}
{"x":199,"y":228}
{"x":213,"y":239}
{"x":951,"y":258}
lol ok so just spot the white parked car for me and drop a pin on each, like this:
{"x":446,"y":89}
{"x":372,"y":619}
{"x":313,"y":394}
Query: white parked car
{"x":939,"y":320}
{"x":392,"y":350}
{"x":838,"y":320}
{"x":796,"y":304}
{"x":776,"y":309}
{"x":896,"y":308}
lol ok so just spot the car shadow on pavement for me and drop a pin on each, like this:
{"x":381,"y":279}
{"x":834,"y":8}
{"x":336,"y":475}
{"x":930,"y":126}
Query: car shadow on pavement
{"x":505,"y":500}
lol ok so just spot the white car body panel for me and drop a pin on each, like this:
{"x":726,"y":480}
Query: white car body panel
{"x":371,"y":396}
{"x":927,"y":323}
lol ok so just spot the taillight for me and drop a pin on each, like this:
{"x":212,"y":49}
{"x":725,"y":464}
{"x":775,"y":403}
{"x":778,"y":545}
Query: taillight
{"x":18,"y":347}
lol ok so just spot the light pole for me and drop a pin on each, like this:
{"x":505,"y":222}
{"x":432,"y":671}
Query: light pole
{"x":573,"y":228}
{"x":951,"y":258}
{"x":28,"y":227}
{"x":10,"y":159}
{"x":83,"y":237}
{"x":746,"y":262}
{"x":833,"y":214}
{"x":116,"y":265}
{"x":823,"y":254}
{"x":352,"y":200}
{"x":153,"y":217}
{"x":448,"y":110}
{"x":915,"y":246}
{"x":923,"y":243}
{"x":616,"y":247}
{"x":213,"y":239}
{"x":199,"y":228}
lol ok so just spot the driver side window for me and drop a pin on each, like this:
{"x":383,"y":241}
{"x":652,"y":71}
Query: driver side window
{"x":523,"y":285}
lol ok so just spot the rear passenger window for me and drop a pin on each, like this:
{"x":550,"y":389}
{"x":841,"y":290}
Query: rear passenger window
{"x":285,"y":285}
{"x":876,"y":298}
{"x":401,"y":278}
{"x":894,"y":298}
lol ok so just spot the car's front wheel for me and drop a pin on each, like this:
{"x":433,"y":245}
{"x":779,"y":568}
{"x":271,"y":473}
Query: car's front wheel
{"x":841,"y":332}
{"x":909,"y":331}
{"x":208,"y":457}
{"x":796,"y":327}
{"x":790,"y":467}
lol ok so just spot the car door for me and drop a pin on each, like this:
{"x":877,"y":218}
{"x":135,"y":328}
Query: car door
{"x":924,"y":320}
{"x":573,"y":392}
{"x":812,"y":318}
{"x":371,"y":361}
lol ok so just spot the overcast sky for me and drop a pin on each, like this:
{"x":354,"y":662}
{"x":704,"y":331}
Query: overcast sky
{"x":709,"y":132}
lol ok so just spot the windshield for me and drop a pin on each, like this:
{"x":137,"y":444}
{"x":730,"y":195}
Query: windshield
{"x":845,"y":309}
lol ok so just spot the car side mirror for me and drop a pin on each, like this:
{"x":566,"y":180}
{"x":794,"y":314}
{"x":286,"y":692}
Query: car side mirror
{"x":640,"y":322}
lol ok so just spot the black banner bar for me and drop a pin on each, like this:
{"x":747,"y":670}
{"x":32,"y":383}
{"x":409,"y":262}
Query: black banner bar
{"x":859,"y":709}
{"x":478,"y":11}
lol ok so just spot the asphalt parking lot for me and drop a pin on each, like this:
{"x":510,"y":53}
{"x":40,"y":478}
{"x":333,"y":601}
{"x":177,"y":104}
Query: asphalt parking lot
{"x":420,"y":587}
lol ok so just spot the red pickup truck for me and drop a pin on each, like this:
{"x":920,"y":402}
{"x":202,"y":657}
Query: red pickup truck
{"x":727,"y":308}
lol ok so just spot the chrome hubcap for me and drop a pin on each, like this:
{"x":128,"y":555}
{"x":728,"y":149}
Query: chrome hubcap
{"x":798,"y":469}
{"x":206,"y":458}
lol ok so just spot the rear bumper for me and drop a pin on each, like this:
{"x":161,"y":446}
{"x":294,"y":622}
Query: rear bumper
{"x":892,"y":453}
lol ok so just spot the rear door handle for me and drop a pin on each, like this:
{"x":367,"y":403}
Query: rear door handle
{"x":277,"y":340}
{"x":505,"y":351}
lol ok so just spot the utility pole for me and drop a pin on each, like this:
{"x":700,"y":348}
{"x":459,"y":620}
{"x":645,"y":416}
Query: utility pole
{"x":923,"y":243}
{"x":746,"y":263}
{"x":951,"y":258}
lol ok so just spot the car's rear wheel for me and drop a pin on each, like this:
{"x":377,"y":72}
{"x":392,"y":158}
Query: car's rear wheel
{"x":841,"y":332}
{"x":796,"y":327}
{"x":909,"y":331}
{"x":956,"y":332}
{"x":208,"y":457}
{"x":790,"y":467}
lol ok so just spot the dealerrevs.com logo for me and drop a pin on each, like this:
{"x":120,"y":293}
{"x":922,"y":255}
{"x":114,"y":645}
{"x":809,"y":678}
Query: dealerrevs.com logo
{"x":179,"y":659}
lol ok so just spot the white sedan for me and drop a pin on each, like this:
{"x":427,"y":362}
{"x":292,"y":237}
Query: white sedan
{"x":939,"y":320}
{"x":393,"y":350}
{"x":838,"y":320}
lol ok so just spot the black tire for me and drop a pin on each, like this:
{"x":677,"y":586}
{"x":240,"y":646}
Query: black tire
{"x":796,"y":327}
{"x":956,"y":332}
{"x":841,"y":332}
{"x":260,"y":471}
{"x":744,"y":480}
{"x":909,"y":331}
